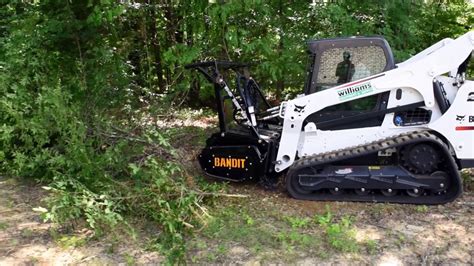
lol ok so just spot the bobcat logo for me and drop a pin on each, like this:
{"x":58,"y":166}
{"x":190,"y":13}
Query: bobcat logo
{"x":299,"y":109}
{"x":460,"y":118}
{"x":470,"y":97}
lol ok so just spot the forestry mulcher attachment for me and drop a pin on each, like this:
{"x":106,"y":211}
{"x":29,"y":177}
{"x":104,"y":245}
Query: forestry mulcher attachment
{"x":366,"y":129}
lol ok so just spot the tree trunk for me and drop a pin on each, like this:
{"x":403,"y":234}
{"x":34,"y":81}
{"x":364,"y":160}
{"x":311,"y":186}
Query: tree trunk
{"x":155,"y":46}
{"x":280,"y":83}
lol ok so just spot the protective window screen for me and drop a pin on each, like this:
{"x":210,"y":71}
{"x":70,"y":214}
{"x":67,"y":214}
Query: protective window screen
{"x":341,"y":65}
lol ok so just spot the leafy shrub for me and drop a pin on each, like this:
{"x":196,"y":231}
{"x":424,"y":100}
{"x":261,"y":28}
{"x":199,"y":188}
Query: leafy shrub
{"x":67,"y":120}
{"x":340,"y":235}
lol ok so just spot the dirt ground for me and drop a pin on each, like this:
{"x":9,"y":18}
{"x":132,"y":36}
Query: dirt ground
{"x":404,"y":234}
{"x":26,"y":240}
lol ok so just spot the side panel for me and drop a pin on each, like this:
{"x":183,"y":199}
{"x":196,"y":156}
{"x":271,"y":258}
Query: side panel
{"x":319,"y":141}
{"x":457,"y":124}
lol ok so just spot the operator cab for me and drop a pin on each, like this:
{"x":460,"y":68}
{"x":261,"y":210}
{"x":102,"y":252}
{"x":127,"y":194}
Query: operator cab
{"x":333,"y":62}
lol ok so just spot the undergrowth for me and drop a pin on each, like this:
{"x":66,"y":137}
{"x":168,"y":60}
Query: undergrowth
{"x":70,"y":118}
{"x":339,"y":234}
{"x":269,"y":235}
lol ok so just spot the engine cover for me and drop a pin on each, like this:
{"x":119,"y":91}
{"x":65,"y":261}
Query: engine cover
{"x":234,"y":163}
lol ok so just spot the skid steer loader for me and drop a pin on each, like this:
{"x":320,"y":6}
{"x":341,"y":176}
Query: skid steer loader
{"x":365,"y":129}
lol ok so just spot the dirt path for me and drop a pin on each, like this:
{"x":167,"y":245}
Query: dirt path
{"x":26,"y":240}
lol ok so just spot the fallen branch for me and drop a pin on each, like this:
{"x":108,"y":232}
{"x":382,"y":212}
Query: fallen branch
{"x":223,"y":195}
{"x":465,"y":203}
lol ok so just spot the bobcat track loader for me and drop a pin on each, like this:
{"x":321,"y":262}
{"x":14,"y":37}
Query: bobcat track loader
{"x":366,"y":129}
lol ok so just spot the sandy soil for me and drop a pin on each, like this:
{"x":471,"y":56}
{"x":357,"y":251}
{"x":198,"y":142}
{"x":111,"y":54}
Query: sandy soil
{"x":26,"y":240}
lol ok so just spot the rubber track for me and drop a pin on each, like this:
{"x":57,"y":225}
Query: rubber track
{"x":454,"y":189}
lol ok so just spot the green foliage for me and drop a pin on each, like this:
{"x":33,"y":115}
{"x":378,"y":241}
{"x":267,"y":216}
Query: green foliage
{"x":371,"y":246}
{"x":254,"y":231}
{"x":3,"y":226}
{"x":297,"y":222}
{"x":340,"y":234}
{"x":71,"y":241}
{"x":422,"y":208}
{"x":67,"y":119}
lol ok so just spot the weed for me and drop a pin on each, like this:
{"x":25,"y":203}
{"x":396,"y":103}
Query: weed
{"x":27,"y":233}
{"x":249,"y":220}
{"x":295,"y":238}
{"x":198,"y":244}
{"x":14,"y":242}
{"x":221,"y":250}
{"x":129,"y":259}
{"x":379,"y":209}
{"x":10,"y":203}
{"x":371,"y":246}
{"x":253,"y":230}
{"x":421,"y":208}
{"x":66,"y":241}
{"x":297,"y":222}
{"x":3,"y":226}
{"x":340,"y":235}
{"x":33,"y":261}
{"x":399,"y":238}
{"x":111,"y":248}
{"x":238,"y":226}
{"x":211,"y":257}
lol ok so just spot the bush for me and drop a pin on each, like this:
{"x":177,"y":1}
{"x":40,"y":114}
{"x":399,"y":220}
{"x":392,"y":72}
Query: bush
{"x":67,"y":119}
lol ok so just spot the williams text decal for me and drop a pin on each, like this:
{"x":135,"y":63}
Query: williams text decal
{"x":354,"y":91}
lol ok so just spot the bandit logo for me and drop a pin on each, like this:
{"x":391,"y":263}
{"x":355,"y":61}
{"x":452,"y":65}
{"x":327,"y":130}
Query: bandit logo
{"x":229,"y":162}
{"x":460,"y":118}
{"x":354,"y":91}
{"x":470,"y":97}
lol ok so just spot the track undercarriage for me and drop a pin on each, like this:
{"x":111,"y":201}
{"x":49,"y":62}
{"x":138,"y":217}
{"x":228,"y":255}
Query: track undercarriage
{"x":420,"y":171}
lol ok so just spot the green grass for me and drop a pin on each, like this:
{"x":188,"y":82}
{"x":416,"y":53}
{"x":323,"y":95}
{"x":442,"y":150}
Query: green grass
{"x":371,"y":246}
{"x":27,"y":233}
{"x":297,"y":222}
{"x":3,"y":226}
{"x":399,"y":238}
{"x":421,"y":208}
{"x":67,"y":241}
{"x":129,"y":259}
{"x":339,"y":234}
{"x":262,"y":232}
